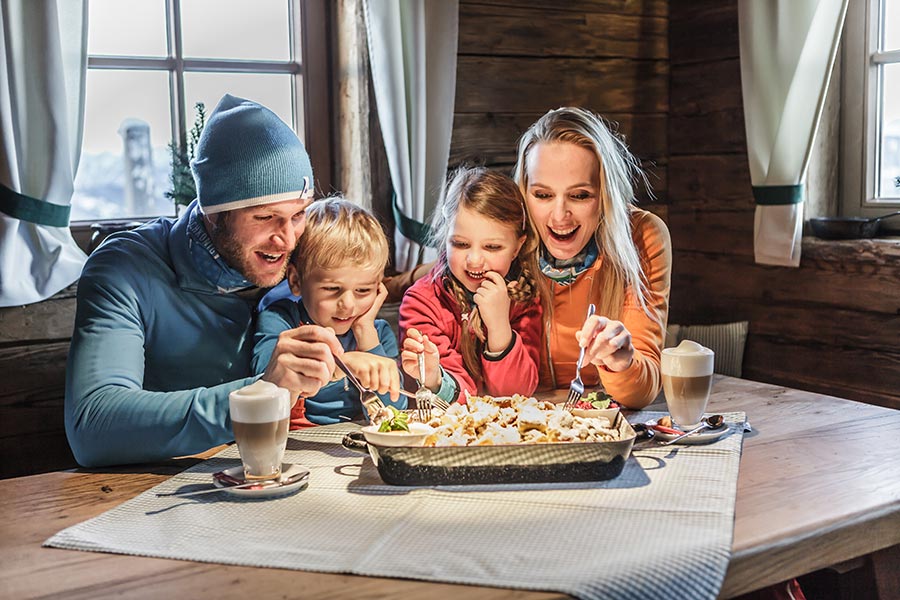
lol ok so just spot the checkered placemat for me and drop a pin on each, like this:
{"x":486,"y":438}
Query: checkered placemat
{"x":663,"y":528}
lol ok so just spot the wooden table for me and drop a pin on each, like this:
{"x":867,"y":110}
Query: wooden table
{"x":818,"y":485}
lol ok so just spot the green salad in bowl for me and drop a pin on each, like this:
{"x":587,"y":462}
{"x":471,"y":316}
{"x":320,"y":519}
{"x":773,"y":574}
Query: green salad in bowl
{"x":596,"y":400}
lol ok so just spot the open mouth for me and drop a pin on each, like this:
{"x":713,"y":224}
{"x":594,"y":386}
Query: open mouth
{"x":271,"y":258}
{"x":342,"y":319}
{"x":476,"y":274}
{"x":563,"y":235}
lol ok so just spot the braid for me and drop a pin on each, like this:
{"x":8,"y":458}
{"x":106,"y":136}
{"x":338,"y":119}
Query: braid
{"x":495,"y":197}
{"x":526,"y":287}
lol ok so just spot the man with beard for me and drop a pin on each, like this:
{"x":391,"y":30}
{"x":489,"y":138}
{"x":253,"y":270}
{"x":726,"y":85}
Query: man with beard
{"x":163,"y":329}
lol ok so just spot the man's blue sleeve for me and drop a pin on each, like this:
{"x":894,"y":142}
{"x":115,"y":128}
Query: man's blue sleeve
{"x":110,"y":418}
{"x":275,"y":319}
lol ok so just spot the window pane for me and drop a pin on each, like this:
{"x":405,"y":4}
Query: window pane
{"x":891,"y":25}
{"x":124,"y":109}
{"x":127,"y":27}
{"x":889,"y":167}
{"x":235,"y":29}
{"x":271,"y":90}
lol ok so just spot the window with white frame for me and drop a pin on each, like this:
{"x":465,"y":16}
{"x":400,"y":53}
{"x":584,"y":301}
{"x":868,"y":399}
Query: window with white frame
{"x":151,"y":62}
{"x":871,"y":108}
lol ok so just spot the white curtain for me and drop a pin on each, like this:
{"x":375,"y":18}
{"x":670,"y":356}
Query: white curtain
{"x":43,"y":66}
{"x":412,"y":50}
{"x":787,"y":51}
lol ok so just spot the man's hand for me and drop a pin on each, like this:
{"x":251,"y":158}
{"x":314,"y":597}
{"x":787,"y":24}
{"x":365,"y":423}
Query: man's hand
{"x":492,"y":300}
{"x":364,"y":326}
{"x":414,"y":344}
{"x":375,"y":372}
{"x":302,"y":360}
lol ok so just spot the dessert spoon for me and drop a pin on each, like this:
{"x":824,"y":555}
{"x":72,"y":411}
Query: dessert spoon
{"x":710,"y":422}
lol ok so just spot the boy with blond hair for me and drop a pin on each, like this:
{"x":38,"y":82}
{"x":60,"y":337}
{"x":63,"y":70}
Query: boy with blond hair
{"x":336,"y":276}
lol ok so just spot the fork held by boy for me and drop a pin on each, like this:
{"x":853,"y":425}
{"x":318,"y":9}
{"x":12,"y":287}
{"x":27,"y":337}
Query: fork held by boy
{"x":375,"y":408}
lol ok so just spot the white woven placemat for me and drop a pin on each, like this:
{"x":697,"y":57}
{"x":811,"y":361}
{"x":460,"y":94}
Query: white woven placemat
{"x":663,"y":528}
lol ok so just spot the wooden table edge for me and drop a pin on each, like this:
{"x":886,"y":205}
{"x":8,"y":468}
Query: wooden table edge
{"x":763,"y":565}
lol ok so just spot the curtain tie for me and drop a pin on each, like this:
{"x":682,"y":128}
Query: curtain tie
{"x":25,"y":208}
{"x":411,"y":229}
{"x":774,"y":195}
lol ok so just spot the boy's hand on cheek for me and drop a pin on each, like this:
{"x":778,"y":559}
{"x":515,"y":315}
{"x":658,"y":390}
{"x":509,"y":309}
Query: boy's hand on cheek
{"x":364,"y":326}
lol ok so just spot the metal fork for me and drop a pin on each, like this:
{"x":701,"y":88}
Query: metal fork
{"x":375,"y":408}
{"x":423,"y":394}
{"x":438,"y":402}
{"x":576,"y":387}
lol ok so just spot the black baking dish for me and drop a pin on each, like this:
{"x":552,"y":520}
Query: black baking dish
{"x":514,"y":463}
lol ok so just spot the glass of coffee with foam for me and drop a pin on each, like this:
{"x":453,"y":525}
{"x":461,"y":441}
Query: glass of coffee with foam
{"x":260,"y":415}
{"x":687,"y":374}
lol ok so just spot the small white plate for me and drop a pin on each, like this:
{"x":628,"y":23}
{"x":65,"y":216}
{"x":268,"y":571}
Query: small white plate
{"x":296,"y":476}
{"x":704,"y":437}
{"x":395,"y":439}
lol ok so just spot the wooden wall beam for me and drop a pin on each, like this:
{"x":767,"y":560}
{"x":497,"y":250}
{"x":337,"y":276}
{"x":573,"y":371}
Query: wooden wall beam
{"x":486,"y":29}
{"x":659,"y":8}
{"x":703,"y":31}
{"x":534,"y":85}
{"x":491,"y":137}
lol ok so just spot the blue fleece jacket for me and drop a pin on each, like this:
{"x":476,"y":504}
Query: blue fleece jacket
{"x":339,"y":400}
{"x":163,"y":333}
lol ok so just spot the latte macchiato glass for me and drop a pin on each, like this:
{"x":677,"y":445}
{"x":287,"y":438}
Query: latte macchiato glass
{"x":260,"y":414}
{"x":687,"y":374}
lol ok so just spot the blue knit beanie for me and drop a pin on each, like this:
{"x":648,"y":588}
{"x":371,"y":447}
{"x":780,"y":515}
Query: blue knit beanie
{"x":247,"y":156}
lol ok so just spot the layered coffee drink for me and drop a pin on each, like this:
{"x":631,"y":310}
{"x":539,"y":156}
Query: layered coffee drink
{"x":260,"y":414}
{"x":687,"y":375}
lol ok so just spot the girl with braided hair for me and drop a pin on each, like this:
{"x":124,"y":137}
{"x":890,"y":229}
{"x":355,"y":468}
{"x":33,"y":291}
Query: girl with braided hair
{"x":477,"y":315}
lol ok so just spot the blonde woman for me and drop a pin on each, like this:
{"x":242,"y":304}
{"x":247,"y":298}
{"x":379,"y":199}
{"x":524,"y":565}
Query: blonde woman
{"x":596,"y":247}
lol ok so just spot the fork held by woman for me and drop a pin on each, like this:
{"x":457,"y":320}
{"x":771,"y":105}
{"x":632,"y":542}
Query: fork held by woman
{"x":576,"y":388}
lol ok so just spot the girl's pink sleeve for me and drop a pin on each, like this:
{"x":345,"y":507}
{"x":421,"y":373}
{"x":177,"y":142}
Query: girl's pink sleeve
{"x":516,"y":371}
{"x":421,"y":310}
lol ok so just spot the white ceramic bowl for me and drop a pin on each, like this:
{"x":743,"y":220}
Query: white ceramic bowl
{"x":393,"y":439}
{"x":609,"y":413}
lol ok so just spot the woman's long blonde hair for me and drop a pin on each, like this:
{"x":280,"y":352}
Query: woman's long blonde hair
{"x":618,"y":169}
{"x":495,"y":196}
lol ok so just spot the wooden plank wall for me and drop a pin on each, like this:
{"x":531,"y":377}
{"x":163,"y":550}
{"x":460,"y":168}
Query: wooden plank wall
{"x":830,"y":326}
{"x":34,"y":344}
{"x":516,"y":60}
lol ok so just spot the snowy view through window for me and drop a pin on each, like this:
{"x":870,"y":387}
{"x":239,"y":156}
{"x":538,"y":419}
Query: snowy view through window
{"x":229,"y":46}
{"x":102,"y":191}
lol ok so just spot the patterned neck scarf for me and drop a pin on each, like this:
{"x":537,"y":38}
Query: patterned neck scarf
{"x":566,"y":271}
{"x":207,"y":259}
